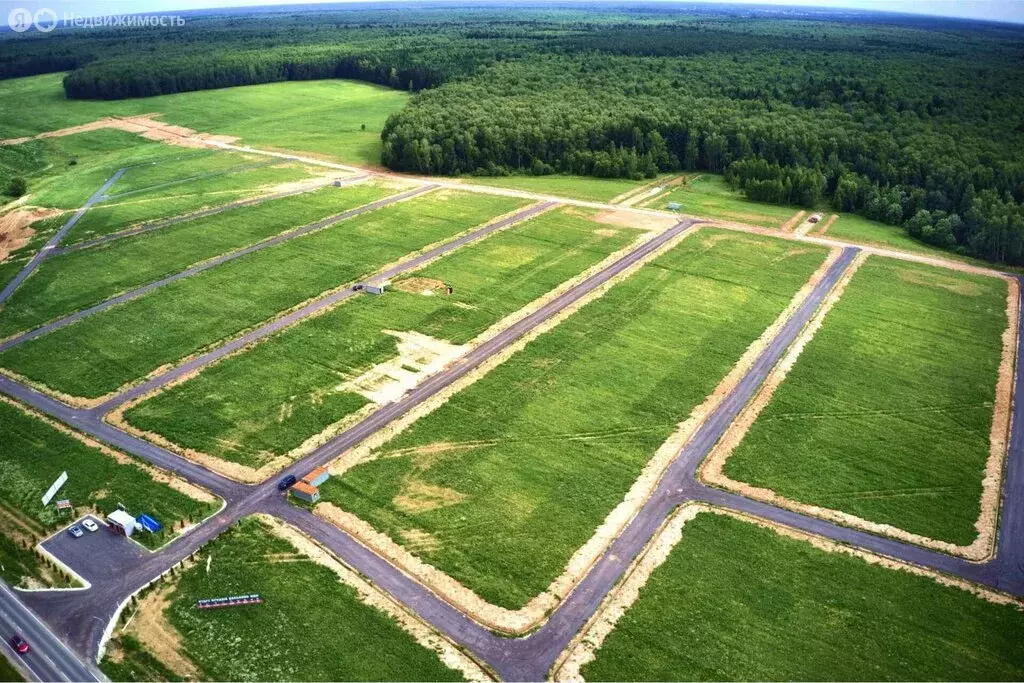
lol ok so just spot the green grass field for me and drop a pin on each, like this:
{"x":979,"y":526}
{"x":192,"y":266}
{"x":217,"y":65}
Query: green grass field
{"x":8,"y":672}
{"x":738,"y":602}
{"x":109,"y":349}
{"x":68,"y":282}
{"x":133,"y":662}
{"x":887,"y":413}
{"x":708,"y":195}
{"x":505,"y":502}
{"x":179,"y":199}
{"x":310,"y":626}
{"x":64,"y":172}
{"x":264,"y":403}
{"x":32,"y":456}
{"x":320,"y":117}
{"x":575,"y":187}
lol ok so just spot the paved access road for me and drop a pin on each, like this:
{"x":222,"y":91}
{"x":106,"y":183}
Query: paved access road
{"x":54,"y":241}
{"x":50,"y":659}
{"x":81,"y":617}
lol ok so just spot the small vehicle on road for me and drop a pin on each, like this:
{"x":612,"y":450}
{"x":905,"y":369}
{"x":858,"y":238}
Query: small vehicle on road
{"x":286,"y":483}
{"x":76,"y":531}
{"x":20,"y":645}
{"x":90,"y":525}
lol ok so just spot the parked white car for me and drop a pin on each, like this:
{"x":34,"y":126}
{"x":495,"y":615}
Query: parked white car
{"x":90,"y":525}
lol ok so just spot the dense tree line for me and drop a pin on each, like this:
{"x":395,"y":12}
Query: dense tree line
{"x":913,"y":122}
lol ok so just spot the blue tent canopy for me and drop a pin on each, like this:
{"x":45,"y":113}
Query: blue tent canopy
{"x":148,"y":523}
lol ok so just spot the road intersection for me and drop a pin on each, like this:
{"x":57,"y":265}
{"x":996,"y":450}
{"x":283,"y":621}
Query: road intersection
{"x":83,"y":618}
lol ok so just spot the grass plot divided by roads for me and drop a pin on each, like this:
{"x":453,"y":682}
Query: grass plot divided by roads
{"x":709,"y":196}
{"x":888,"y":412}
{"x":110,"y":349}
{"x":735,"y":601}
{"x":268,"y":401}
{"x":72,"y":281}
{"x":502,"y":504}
{"x":342,"y":637}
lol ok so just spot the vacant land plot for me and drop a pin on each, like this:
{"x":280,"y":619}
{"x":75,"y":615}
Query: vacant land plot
{"x":68,"y":282}
{"x":176,"y":199}
{"x":33,"y":454}
{"x":105,"y":351}
{"x":887,"y":413}
{"x":338,"y":119}
{"x":64,"y":172}
{"x":268,"y":401}
{"x":342,"y":638}
{"x":738,"y":602}
{"x":575,"y":187}
{"x":709,"y":196}
{"x":502,"y":484}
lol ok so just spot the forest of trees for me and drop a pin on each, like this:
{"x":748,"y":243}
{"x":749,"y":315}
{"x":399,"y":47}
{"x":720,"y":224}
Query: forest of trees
{"x":914,"y":122}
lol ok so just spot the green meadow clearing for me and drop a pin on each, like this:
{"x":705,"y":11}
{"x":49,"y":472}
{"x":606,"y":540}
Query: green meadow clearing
{"x":337,"y":119}
{"x":32,"y":456}
{"x":342,"y":639}
{"x":887,"y":413}
{"x":64,"y":172}
{"x":16,"y":259}
{"x":69,"y":282}
{"x":266,"y":402}
{"x":575,"y":187}
{"x":738,"y":602}
{"x":105,"y":351}
{"x":708,"y":195}
{"x":514,"y":473}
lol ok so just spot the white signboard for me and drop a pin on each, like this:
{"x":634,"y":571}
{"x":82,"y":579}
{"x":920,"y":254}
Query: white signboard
{"x":48,"y":496}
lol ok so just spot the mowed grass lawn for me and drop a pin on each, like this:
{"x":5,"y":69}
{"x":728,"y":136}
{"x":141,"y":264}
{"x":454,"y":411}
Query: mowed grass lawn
{"x":69,"y":282}
{"x":738,"y":602}
{"x":264,"y":403}
{"x":708,"y":195}
{"x":32,"y":456}
{"x":107,"y":350}
{"x":887,"y":413}
{"x":310,"y":626}
{"x":513,"y":474}
{"x":338,"y":119}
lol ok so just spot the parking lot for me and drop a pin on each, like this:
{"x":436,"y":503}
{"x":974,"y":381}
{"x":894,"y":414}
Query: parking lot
{"x":97,"y":554}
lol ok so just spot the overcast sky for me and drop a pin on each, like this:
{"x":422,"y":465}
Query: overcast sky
{"x":998,"y":10}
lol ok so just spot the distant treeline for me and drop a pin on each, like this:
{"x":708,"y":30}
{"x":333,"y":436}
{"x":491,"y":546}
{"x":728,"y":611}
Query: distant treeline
{"x":916,"y":123}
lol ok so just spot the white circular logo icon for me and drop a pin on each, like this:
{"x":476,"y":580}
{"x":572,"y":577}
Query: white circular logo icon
{"x":46,"y":20}
{"x":20,"y":19}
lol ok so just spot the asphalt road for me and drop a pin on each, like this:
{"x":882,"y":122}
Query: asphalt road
{"x":81,"y":617}
{"x":206,"y":265}
{"x":50,"y":659}
{"x":54,"y":241}
{"x":167,"y":222}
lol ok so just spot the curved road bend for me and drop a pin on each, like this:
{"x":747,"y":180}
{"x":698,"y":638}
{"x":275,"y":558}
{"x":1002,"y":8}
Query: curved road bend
{"x":194,"y":215}
{"x":52,"y":243}
{"x":313,"y":308}
{"x":206,"y":265}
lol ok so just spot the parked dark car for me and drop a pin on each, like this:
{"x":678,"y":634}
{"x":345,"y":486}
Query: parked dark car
{"x":286,"y":483}
{"x":20,"y":645}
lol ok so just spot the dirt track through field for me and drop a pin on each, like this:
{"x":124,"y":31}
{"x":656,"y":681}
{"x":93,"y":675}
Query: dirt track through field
{"x":54,"y":241}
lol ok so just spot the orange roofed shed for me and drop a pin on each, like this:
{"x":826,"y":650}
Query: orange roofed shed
{"x":304,"y":491}
{"x":316,"y":477}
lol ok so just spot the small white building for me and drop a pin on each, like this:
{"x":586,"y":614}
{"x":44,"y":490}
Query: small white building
{"x":121,"y":522}
{"x":376,"y":289}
